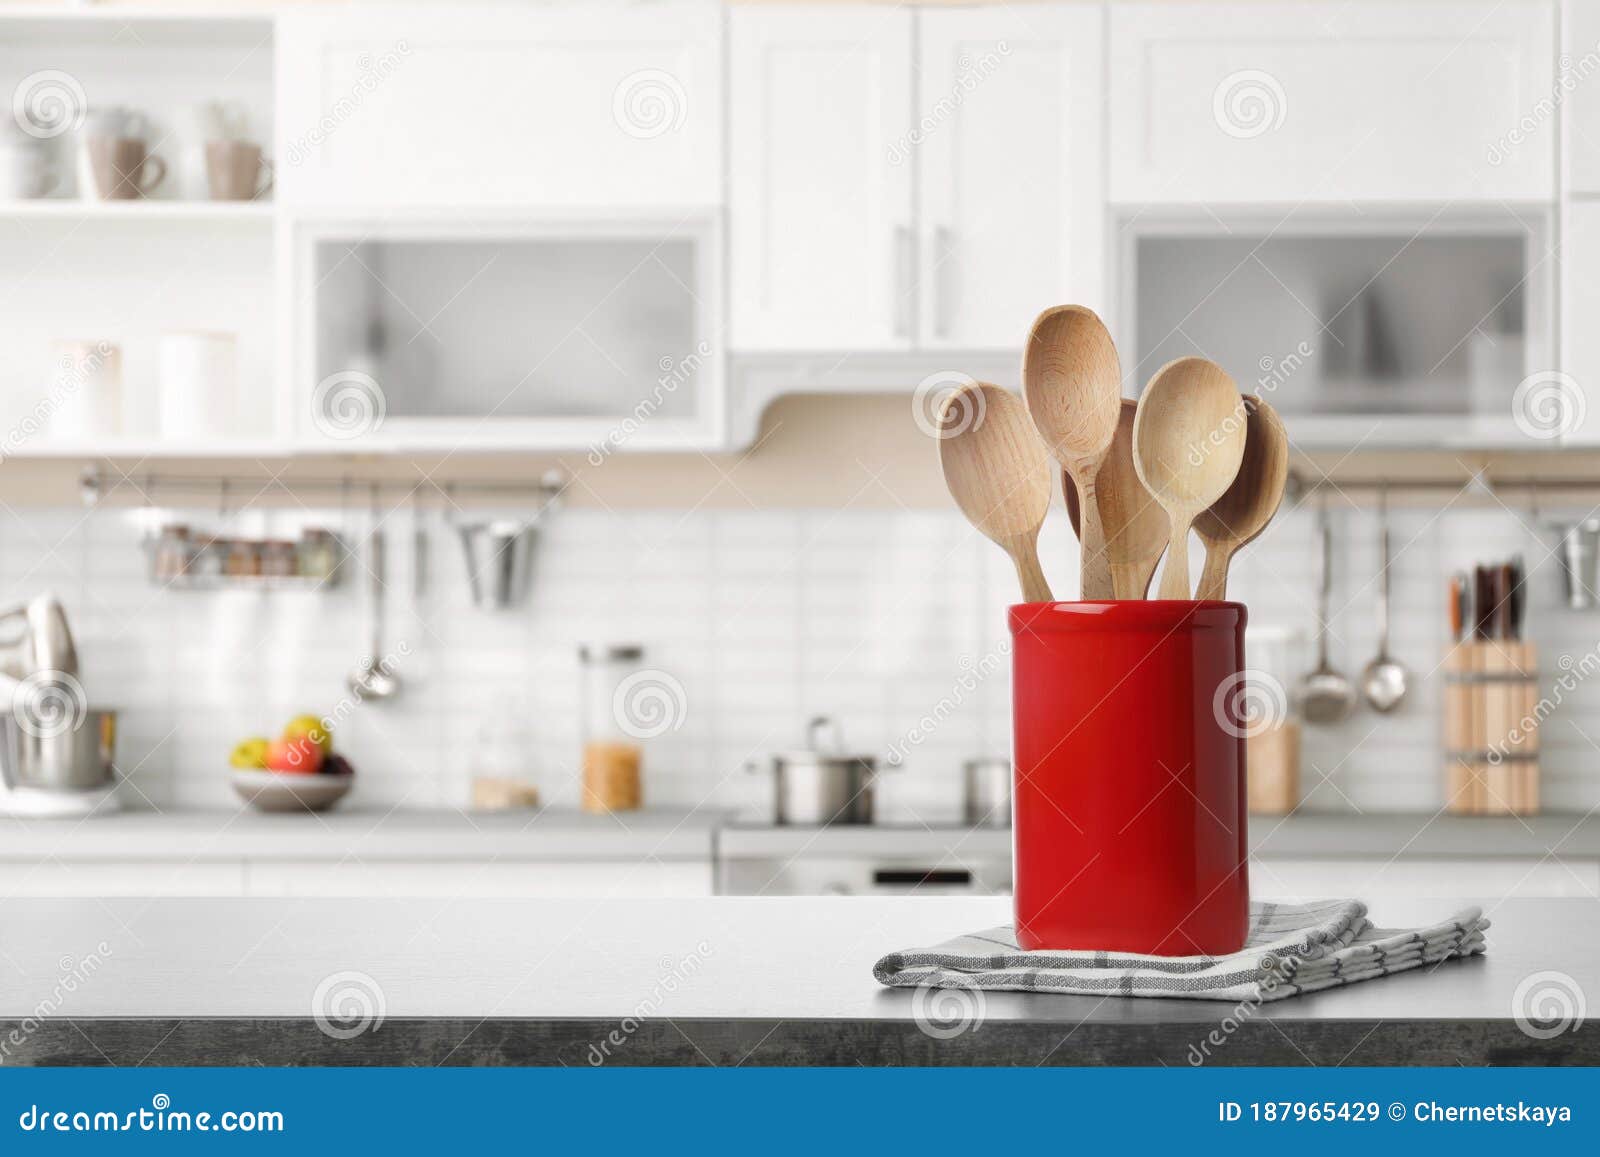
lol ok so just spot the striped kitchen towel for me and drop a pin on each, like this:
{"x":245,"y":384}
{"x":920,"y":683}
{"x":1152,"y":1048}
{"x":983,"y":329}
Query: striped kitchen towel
{"x":1292,"y":948}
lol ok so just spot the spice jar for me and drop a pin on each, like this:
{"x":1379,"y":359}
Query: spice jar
{"x":278,"y":559}
{"x":172,"y":552}
{"x":612,"y":751}
{"x":318,"y":554}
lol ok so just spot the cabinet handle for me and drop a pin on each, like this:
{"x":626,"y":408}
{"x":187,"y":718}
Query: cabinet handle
{"x":905,"y":256}
{"x":944,"y":245}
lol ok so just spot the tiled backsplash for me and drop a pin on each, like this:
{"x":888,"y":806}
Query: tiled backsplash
{"x":882,"y":619}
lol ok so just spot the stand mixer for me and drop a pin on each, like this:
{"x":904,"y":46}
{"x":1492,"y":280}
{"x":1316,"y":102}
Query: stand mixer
{"x":55,"y":753}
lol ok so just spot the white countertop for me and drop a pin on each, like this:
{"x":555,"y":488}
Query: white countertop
{"x":727,"y":956}
{"x":667,"y":834}
{"x":546,"y":834}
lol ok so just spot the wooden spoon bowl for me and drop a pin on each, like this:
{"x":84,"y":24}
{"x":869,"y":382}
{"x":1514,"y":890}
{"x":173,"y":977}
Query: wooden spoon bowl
{"x":1188,"y":440}
{"x":1072,"y":381}
{"x":1239,"y":516}
{"x":999,"y":474}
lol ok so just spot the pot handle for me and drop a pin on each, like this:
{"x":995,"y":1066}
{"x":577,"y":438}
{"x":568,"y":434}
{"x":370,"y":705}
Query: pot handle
{"x":819,"y":725}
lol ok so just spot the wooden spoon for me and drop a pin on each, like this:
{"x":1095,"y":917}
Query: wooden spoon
{"x":1188,"y":441}
{"x":1239,"y":516}
{"x":999,"y":474}
{"x":1073,"y":383}
{"x":1135,"y":525}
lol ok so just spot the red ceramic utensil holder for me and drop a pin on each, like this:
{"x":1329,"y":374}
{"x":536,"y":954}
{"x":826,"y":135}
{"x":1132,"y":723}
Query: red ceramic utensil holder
{"x":1129,"y":759}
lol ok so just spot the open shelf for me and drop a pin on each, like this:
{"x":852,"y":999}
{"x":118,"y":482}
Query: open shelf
{"x":62,"y":208}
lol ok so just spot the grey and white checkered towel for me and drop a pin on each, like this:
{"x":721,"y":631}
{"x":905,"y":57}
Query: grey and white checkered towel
{"x":1292,"y":948}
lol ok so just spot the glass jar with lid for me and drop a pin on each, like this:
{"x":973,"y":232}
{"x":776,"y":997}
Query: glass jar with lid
{"x":613,"y":726}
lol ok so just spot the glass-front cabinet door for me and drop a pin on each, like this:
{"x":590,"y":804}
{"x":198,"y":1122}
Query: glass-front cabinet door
{"x":486,"y":335}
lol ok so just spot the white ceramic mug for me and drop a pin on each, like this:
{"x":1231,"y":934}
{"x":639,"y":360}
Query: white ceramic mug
{"x":199,"y":373}
{"x":27,"y":169}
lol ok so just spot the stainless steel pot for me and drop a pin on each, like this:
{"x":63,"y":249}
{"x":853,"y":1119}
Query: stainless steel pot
{"x":819,"y":785}
{"x":62,"y":754}
{"x":988,"y":792}
{"x":499,"y":561}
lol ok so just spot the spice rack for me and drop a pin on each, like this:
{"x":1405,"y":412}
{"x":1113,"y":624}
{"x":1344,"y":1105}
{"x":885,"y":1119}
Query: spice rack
{"x":181,"y":559}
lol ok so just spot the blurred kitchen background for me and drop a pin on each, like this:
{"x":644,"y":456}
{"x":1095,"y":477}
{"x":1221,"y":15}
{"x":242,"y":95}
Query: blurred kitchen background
{"x":623,"y":326}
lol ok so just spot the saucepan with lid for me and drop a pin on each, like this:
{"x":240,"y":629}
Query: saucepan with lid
{"x":820,"y":784}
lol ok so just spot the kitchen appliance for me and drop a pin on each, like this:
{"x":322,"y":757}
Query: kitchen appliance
{"x":819,"y":784}
{"x":55,"y":752}
{"x":1130,"y":832}
{"x":767,"y":860}
{"x":987,"y":792}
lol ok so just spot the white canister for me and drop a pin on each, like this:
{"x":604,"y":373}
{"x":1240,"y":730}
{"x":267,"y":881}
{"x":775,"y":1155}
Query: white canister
{"x":199,"y":381}
{"x":85,"y":399}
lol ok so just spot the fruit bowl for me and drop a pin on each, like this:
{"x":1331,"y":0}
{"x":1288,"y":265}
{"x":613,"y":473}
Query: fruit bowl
{"x":290,"y":791}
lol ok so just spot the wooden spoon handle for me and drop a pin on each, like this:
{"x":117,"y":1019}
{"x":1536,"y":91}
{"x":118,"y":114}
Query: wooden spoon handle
{"x":1094,"y":576}
{"x":1035,"y":587}
{"x":1175,"y":578}
{"x":1214,"y":575}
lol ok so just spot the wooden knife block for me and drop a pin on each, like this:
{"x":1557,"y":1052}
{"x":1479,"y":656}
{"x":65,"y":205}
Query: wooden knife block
{"x":1491,"y":728}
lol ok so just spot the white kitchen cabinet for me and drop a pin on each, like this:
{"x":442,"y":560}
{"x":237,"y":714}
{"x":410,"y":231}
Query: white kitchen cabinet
{"x":1010,"y":129}
{"x":140,"y":877}
{"x":1331,"y":102}
{"x":881,"y":207}
{"x":1389,"y":880}
{"x":1576,"y":388}
{"x":578,"y":105}
{"x":820,"y":184}
{"x":1579,"y":98}
{"x":487,"y":331}
{"x":497,"y":879}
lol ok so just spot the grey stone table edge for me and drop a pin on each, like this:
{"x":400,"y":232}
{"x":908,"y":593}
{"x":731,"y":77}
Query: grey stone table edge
{"x":581,"y":1042}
